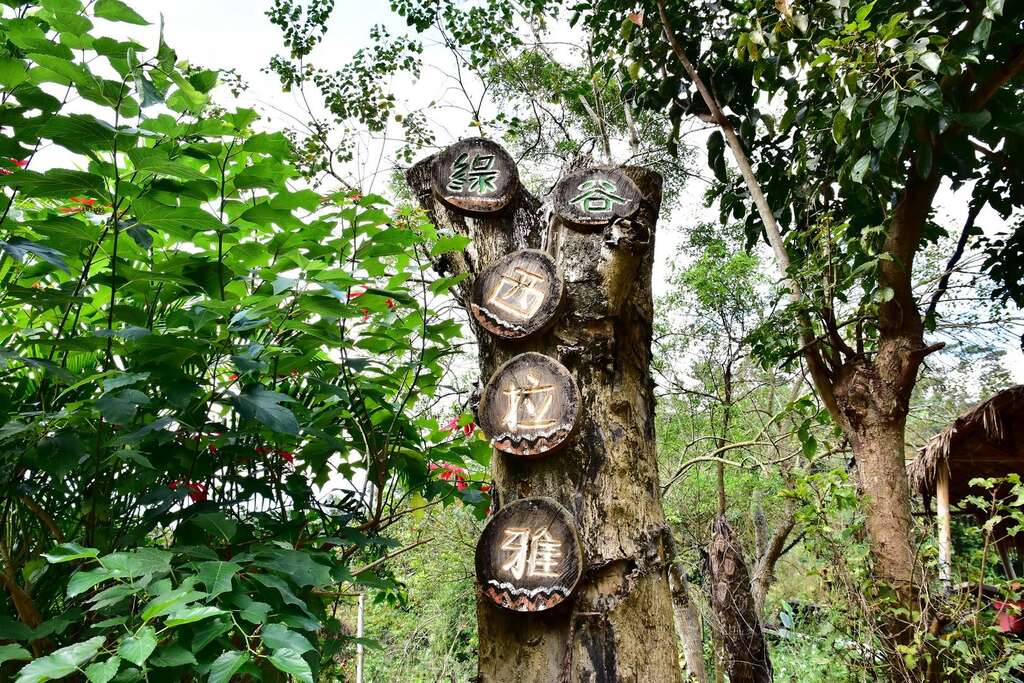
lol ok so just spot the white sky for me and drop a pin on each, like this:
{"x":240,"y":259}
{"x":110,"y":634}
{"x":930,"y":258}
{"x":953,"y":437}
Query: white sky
{"x":237,"y":34}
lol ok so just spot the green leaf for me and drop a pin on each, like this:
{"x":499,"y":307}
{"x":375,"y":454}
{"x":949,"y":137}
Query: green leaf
{"x":174,"y":218}
{"x":449,"y":244}
{"x":170,"y":601}
{"x":18,"y":248}
{"x":297,"y":566}
{"x":83,"y":581}
{"x":216,"y":576}
{"x":115,"y":10}
{"x":218,"y":524}
{"x":225,"y":666}
{"x":175,"y":655}
{"x":12,"y":72}
{"x":68,"y":552}
{"x":256,"y":403}
{"x":157,"y":162}
{"x":80,"y":133}
{"x":102,"y":672}
{"x":11,"y":652}
{"x":930,"y":61}
{"x":138,"y":647}
{"x":291,"y":662}
{"x":882,"y":128}
{"x":57,"y":183}
{"x":190,"y":615}
{"x":138,"y":563}
{"x":860,"y":168}
{"x":278,"y":636}
{"x":63,"y":662}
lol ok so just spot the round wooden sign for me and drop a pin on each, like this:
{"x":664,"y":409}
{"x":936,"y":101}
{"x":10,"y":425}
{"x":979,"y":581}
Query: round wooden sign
{"x":528,"y":558}
{"x":596,"y":196}
{"x":530,"y":406}
{"x":517,"y":295}
{"x":475,"y":175}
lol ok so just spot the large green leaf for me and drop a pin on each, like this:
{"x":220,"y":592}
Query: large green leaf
{"x":115,"y":10}
{"x":277,"y":636}
{"x":291,"y":662}
{"x":61,"y":663}
{"x":137,"y":648}
{"x":68,"y":552}
{"x":259,"y":404}
{"x":225,"y":666}
{"x":216,"y":576}
{"x":57,"y":183}
{"x":12,"y":651}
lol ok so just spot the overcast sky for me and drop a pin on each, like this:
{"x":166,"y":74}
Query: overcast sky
{"x":237,"y":34}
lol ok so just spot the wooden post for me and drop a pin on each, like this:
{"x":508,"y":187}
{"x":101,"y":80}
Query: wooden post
{"x":945,"y":533}
{"x":359,"y":634}
{"x":593,"y":452}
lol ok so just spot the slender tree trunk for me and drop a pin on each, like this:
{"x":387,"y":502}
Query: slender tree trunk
{"x":746,"y":654}
{"x":618,"y":626}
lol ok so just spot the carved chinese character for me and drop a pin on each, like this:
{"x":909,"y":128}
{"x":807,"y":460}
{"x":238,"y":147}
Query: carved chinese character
{"x":531,"y":552}
{"x":530,"y":406}
{"x":596,"y":196}
{"x":528,"y":558}
{"x":475,"y":176}
{"x":518,"y":295}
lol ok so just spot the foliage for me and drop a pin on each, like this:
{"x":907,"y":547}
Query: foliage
{"x":212,"y":377}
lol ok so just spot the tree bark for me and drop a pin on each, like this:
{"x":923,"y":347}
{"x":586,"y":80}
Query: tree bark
{"x":746,"y":653}
{"x":619,"y":625}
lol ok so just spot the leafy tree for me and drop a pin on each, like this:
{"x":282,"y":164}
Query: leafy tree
{"x":845,"y":122}
{"x":213,"y":378}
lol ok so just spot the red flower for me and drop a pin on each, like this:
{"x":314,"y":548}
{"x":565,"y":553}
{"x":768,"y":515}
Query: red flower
{"x":20,"y":163}
{"x":233,"y":376}
{"x":460,"y":483}
{"x":197,"y":491}
{"x":355,"y":196}
{"x":390,"y":303}
{"x":366,"y":314}
{"x":452,"y":425}
{"x":85,"y":201}
{"x":356,"y":294}
{"x":469,"y":429}
{"x":287,"y":456}
{"x":213,"y":449}
{"x":485,"y":488}
{"x":431,"y":466}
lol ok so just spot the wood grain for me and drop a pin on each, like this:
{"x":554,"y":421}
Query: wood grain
{"x":595,"y":197}
{"x":475,"y":176}
{"x":518,"y":295}
{"x":528,"y":558}
{"x":530,"y":406}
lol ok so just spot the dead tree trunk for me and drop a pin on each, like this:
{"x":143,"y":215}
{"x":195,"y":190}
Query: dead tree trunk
{"x":739,"y":622}
{"x":618,"y":624}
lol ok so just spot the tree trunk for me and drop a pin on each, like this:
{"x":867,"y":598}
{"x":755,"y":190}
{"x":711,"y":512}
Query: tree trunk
{"x":688,"y":626}
{"x":746,"y":653}
{"x":618,"y":625}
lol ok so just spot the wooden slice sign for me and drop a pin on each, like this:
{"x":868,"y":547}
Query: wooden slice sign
{"x":596,"y":196}
{"x":528,"y":558}
{"x":530,"y":406}
{"x":476,"y":176}
{"x":517,"y":295}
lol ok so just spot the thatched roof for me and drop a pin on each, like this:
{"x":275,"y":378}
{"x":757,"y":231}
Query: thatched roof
{"x":986,"y":441}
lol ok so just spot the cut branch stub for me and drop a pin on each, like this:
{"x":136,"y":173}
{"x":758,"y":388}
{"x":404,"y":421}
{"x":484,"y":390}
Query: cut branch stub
{"x":517,"y":295}
{"x":596,"y":196}
{"x":530,"y":407}
{"x":528,"y":558}
{"x":475,"y":176}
